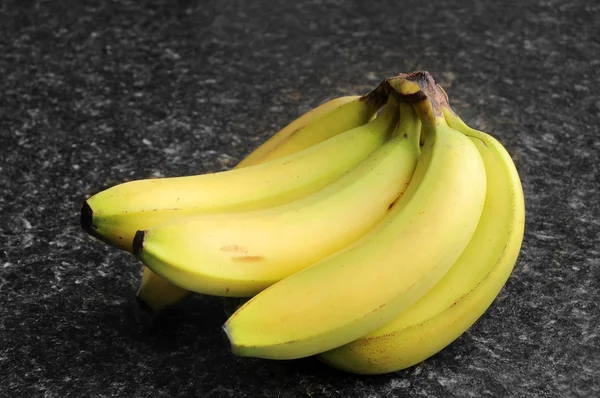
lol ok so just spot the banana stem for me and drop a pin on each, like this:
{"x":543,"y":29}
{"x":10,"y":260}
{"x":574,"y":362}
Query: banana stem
{"x":451,"y":117}
{"x":420,"y":90}
{"x":378,"y":96}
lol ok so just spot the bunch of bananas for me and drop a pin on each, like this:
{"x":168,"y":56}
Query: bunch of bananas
{"x":372,"y":231}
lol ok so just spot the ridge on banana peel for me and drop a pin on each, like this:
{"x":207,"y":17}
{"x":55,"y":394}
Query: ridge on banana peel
{"x":241,"y":254}
{"x":320,"y":123}
{"x":461,"y":297}
{"x":315,"y":310}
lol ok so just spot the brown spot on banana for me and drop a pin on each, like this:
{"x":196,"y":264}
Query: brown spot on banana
{"x":234,"y":248}
{"x":248,"y":259}
{"x":391,"y":206}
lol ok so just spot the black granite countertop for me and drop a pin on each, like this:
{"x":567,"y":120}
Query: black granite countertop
{"x":93,"y":93}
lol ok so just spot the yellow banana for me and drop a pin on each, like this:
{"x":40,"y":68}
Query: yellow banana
{"x":466,"y":291}
{"x":325,"y":121}
{"x":157,"y":293}
{"x":359,"y":289}
{"x":321,"y":123}
{"x":118,"y":212}
{"x":241,"y":254}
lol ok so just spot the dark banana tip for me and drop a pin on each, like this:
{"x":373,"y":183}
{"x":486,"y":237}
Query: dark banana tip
{"x":138,"y":242}
{"x":144,"y":306}
{"x":87,"y":215}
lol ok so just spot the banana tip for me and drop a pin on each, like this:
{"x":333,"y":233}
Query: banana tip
{"x":87,"y":215}
{"x":227,"y":337}
{"x":144,"y":306}
{"x":138,"y":242}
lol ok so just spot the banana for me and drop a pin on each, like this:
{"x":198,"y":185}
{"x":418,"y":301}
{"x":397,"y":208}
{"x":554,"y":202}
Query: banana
{"x":156,"y":293}
{"x":118,"y":225}
{"x":325,"y":121}
{"x":241,"y":254}
{"x":466,"y":291}
{"x":115,"y":214}
{"x":313,"y":127}
{"x":361,"y":288}
{"x":319,"y":124}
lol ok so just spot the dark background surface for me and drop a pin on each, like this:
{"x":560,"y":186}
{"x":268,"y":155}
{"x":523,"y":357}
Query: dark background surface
{"x":93,"y":93}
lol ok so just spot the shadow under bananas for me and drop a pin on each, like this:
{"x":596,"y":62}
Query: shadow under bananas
{"x":195,"y":320}
{"x":187,"y":340}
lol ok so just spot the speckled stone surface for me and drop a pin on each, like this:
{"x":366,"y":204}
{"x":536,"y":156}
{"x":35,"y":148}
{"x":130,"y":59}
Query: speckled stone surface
{"x":93,"y":93}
